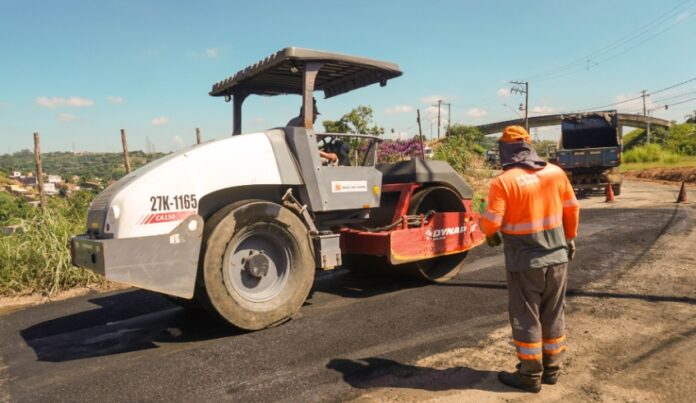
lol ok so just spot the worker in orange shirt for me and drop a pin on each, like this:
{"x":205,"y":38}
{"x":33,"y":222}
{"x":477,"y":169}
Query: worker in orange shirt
{"x":533,"y":205}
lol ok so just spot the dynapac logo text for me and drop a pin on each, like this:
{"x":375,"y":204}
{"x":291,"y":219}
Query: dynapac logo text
{"x":441,"y":233}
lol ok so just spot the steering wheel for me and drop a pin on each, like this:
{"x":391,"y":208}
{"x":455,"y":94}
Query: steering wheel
{"x":327,"y":141}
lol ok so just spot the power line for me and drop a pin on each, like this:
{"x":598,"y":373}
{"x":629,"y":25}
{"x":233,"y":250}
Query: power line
{"x":675,"y":96}
{"x":666,"y":106}
{"x":590,"y":58}
{"x":645,"y":40}
{"x":674,"y":86}
{"x":637,"y":97}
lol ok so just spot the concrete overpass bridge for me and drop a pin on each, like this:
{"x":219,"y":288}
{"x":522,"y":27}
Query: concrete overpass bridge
{"x":625,"y":119}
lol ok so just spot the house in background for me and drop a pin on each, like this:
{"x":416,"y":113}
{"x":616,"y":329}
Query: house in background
{"x":50,"y":189}
{"x":28,"y":181}
{"x":55,"y":179}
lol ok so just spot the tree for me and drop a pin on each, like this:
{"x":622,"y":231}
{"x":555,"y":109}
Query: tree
{"x":691,"y":118}
{"x":336,"y":126}
{"x":470,"y":137}
{"x":682,"y":139}
{"x":542,"y":146}
{"x":358,"y":120}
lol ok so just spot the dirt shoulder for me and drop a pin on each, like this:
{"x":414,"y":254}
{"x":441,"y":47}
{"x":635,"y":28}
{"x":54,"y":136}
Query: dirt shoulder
{"x":685,"y":174}
{"x":632,"y":332}
{"x":9,"y":304}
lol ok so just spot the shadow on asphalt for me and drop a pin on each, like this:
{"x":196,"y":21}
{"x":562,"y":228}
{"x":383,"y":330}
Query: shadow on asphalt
{"x":362,"y":284}
{"x":124,"y":322}
{"x":583,"y":293}
{"x":376,"y":372}
{"x":139,"y":320}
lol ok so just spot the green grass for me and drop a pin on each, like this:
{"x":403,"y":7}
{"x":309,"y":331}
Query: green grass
{"x":685,"y":161}
{"x":36,"y":258}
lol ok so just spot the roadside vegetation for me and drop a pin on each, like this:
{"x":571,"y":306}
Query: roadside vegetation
{"x":35,"y":258}
{"x":675,"y":147}
{"x":463,"y":149}
{"x":87,"y":166}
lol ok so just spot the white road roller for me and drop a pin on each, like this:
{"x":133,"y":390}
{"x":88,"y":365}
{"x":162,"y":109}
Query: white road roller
{"x":240,"y":225}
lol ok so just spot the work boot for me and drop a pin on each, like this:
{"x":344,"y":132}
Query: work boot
{"x":550,"y":376}
{"x":519,"y":381}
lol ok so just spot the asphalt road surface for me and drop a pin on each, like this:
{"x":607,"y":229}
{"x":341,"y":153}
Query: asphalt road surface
{"x":135,"y":345}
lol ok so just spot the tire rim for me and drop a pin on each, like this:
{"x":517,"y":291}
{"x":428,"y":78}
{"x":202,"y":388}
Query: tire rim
{"x":258,"y":267}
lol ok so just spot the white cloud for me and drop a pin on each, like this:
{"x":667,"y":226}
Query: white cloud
{"x":60,"y":101}
{"x":66,"y":117}
{"x":114,"y":100}
{"x":178,"y":141}
{"x":431,"y":115}
{"x":476,"y":113}
{"x":207,"y":53}
{"x":432,"y":99}
{"x":543,"y":110}
{"x":398,"y":109}
{"x":503,"y":92}
{"x":681,"y":17}
{"x":160,"y":121}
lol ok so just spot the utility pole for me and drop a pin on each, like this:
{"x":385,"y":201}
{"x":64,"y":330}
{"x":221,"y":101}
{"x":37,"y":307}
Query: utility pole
{"x":39,"y":171}
{"x":645,"y":113}
{"x":126,"y":160}
{"x":420,"y":133}
{"x":517,"y":89}
{"x":439,"y":105}
{"x":449,"y":117}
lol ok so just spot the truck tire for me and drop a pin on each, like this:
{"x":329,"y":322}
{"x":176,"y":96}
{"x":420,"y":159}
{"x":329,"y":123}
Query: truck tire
{"x":442,"y":268}
{"x":616,"y":188}
{"x":257,"y":264}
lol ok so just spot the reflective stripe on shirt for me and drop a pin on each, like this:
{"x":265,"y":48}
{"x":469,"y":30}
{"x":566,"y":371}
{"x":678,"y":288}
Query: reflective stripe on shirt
{"x":570,"y":203}
{"x":494,"y":218}
{"x":533,"y":226}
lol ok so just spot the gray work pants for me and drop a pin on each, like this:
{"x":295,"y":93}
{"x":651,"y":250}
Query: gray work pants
{"x":535,"y":303}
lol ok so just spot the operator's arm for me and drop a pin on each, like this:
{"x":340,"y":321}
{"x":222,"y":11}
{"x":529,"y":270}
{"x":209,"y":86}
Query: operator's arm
{"x":332,"y":157}
{"x":492,"y":218}
{"x":571,"y":211}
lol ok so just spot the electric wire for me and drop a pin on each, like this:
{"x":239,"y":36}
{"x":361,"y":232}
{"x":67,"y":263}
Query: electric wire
{"x":580,"y":64}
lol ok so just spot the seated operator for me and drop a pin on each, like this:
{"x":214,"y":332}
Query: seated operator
{"x":298,"y":121}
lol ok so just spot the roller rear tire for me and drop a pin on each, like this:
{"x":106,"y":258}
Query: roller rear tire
{"x":439,"y":269}
{"x":442,"y":268}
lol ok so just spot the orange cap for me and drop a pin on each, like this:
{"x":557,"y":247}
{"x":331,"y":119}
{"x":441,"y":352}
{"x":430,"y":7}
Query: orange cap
{"x":513,"y":134}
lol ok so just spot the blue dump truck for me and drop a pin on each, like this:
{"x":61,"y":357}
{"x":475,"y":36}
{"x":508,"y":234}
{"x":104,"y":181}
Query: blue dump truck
{"x":589,"y":151}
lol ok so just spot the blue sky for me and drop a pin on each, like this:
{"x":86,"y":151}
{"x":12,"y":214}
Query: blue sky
{"x":78,"y":71}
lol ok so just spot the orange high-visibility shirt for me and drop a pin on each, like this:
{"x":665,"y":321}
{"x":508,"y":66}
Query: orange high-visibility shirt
{"x":537,"y":212}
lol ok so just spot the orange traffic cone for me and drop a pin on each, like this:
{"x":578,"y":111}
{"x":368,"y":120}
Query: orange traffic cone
{"x":610,"y":194}
{"x":681,"y":198}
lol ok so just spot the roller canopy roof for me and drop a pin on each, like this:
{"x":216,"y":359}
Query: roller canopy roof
{"x":282,"y":73}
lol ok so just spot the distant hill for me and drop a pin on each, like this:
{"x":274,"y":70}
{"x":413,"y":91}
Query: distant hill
{"x":85,"y":165}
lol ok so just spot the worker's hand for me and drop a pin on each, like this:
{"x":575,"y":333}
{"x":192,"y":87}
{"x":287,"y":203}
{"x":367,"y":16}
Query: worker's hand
{"x":571,"y":250}
{"x":494,"y":240}
{"x":331,"y":157}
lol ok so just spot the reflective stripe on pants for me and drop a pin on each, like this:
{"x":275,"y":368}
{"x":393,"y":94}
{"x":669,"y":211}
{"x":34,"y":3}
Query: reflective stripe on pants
{"x":535,"y":305}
